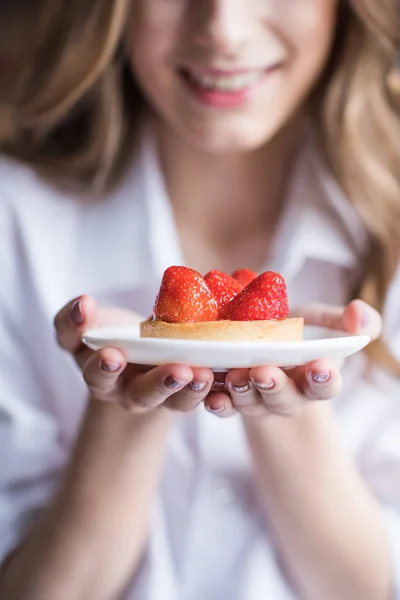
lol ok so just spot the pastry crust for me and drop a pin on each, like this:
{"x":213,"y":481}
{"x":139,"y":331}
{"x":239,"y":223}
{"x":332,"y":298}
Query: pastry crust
{"x":226,"y":331}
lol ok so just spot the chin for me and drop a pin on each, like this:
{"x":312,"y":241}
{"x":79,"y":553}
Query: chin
{"x":228,"y":139}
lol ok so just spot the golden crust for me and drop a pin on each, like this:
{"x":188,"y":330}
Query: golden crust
{"x":226,"y":331}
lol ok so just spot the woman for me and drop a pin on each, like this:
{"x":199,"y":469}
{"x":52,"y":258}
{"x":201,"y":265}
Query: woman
{"x":148,"y":133}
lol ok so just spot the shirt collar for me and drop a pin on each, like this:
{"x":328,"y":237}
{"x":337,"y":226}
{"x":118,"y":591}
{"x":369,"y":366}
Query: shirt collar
{"x":163,"y":233}
{"x":318,"y":221}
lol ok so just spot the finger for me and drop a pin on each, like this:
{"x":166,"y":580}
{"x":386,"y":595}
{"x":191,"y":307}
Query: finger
{"x":279,"y":393}
{"x":360,"y":318}
{"x":320,"y":380}
{"x":194,"y":393}
{"x":357,"y":317}
{"x":151,"y":389}
{"x":219,"y":404}
{"x":72,"y":320}
{"x":244,"y":395}
{"x":81,"y":314}
{"x":108,"y":317}
{"x":320,"y":315}
{"x":102,"y":373}
{"x":219,"y":382}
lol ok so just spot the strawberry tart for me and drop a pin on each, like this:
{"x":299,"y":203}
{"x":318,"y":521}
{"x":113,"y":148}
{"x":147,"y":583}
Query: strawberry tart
{"x":220,"y":307}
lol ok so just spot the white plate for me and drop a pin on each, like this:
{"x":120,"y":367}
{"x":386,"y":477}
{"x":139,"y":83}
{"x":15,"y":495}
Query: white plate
{"x":318,"y":343}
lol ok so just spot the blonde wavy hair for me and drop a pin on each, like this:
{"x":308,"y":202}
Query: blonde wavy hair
{"x":69,"y":107}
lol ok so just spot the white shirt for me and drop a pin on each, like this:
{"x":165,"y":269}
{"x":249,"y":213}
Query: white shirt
{"x":208,"y":537}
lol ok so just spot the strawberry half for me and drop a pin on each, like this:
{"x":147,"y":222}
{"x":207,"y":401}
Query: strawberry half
{"x":184,"y":297}
{"x":244,"y":276}
{"x":265,"y":298}
{"x":223,"y":286}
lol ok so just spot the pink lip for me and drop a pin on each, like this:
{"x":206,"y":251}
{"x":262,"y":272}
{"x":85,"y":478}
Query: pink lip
{"x":219,"y":99}
{"x":224,"y":72}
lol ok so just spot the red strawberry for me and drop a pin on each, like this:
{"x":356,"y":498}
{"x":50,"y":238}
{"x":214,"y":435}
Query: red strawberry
{"x":244,"y":276}
{"x":184,"y":297}
{"x":222,"y":286}
{"x":265,"y":298}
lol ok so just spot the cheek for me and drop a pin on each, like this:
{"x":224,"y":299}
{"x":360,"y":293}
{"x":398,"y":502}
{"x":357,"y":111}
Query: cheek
{"x":148,"y":61}
{"x":152,"y":40}
{"x":310,"y":31}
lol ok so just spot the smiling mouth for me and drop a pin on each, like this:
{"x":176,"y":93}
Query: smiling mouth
{"x":225,"y":81}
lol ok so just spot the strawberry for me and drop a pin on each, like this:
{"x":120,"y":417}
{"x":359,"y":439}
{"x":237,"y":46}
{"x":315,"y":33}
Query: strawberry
{"x":224,"y":287}
{"x":184,"y":297}
{"x":265,"y":298}
{"x":244,"y":276}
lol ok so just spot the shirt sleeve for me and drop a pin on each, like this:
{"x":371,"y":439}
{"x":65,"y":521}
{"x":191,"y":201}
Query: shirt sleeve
{"x":31,"y":456}
{"x":32,"y":453}
{"x":379,"y":457}
{"x":391,"y":519}
{"x":380,"y":465}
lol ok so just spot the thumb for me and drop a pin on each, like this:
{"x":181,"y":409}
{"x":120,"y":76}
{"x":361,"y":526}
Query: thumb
{"x":357,"y":317}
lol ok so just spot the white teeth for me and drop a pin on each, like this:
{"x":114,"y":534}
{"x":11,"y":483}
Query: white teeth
{"x":226,"y":83}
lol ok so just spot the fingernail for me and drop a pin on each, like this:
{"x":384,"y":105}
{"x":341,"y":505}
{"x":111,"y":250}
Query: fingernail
{"x":265,"y":385}
{"x":364,"y":320}
{"x":110,"y":367}
{"x":240,"y":389}
{"x":198,"y":386}
{"x":215,"y":411}
{"x":173,"y":384}
{"x":75,"y":312}
{"x":218,"y":386}
{"x":320,"y":377}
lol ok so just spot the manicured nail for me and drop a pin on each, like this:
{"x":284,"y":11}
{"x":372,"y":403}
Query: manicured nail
{"x":241,"y":389}
{"x":173,"y":384}
{"x":320,"y":377}
{"x":110,"y":367}
{"x":265,"y":385}
{"x":365,"y":320}
{"x":218,"y":386}
{"x":75,"y":312}
{"x":215,"y":411}
{"x":198,"y":386}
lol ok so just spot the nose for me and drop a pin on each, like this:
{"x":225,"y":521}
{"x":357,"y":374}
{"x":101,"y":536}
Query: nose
{"x":224,"y":24}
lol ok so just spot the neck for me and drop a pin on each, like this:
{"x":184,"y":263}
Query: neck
{"x":242,"y":191}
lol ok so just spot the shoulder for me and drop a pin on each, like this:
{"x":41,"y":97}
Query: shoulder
{"x":27,"y":206}
{"x":51,"y":241}
{"x":37,"y":224}
{"x":30,"y":207}
{"x":21,"y":187}
{"x":11,"y":167}
{"x":14,"y":175}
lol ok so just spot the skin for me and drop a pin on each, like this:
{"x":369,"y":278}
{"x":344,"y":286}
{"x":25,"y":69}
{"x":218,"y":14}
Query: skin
{"x":91,"y":545}
{"x":251,"y":147}
{"x":229,"y":34}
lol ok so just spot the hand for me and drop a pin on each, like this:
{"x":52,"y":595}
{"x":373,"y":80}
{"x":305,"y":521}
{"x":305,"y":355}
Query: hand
{"x":110,"y":378}
{"x":269,"y":390}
